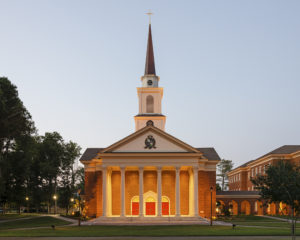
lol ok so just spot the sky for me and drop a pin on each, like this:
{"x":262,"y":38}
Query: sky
{"x":230,"y":69}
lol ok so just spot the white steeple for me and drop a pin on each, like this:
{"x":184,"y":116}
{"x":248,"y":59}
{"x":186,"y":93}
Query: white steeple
{"x":150,"y":94}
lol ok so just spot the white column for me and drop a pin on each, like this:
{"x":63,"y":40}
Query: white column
{"x":141,"y":190}
{"x":159,"y":191}
{"x":177,"y":191}
{"x":191,"y":192}
{"x":104,"y":198}
{"x":122,"y":191}
{"x":196,"y":191}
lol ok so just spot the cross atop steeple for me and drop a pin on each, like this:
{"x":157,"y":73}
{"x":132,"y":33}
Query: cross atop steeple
{"x":149,"y":14}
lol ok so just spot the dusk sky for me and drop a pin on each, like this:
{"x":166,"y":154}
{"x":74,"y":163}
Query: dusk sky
{"x":230,"y":69}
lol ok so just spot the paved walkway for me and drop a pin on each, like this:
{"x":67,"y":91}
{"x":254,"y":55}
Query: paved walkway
{"x":154,"y":238}
{"x":280,"y":219}
{"x":71,"y":220}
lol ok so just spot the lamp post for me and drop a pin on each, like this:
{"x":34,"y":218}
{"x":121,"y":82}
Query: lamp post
{"x":55,"y":201}
{"x":211,"y":191}
{"x":72,"y":204}
{"x":27,"y":201}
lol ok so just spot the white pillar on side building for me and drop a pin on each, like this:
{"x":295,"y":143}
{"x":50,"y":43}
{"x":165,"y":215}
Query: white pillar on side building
{"x":141,"y":191}
{"x":122,"y":191}
{"x":177,"y":213}
{"x":104,"y":192}
{"x":159,"y":212}
{"x":196,"y":211}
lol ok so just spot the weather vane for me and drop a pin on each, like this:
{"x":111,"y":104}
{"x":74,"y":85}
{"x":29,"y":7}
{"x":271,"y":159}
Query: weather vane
{"x":149,"y":14}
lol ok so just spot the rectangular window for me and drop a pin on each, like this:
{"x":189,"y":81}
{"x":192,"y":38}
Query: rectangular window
{"x":259,"y":169}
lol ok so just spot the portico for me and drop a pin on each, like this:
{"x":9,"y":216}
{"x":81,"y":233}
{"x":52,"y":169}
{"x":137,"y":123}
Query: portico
{"x":152,"y":203}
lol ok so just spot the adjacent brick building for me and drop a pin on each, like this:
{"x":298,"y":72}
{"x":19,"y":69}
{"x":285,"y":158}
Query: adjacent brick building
{"x":242,"y":196}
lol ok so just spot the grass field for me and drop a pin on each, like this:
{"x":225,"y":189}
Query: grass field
{"x":33,"y":222}
{"x":15,"y":216}
{"x":191,"y":230}
{"x":274,"y":228}
{"x":258,"y":221}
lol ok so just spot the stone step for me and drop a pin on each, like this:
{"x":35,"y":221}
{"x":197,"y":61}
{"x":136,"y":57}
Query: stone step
{"x":147,"y":219}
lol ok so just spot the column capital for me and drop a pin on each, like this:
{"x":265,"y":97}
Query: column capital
{"x":122,"y":168}
{"x":159,"y":168}
{"x":177,"y":168}
{"x":141,"y":168}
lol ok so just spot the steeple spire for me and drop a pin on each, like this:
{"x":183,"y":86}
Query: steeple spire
{"x":150,"y":65}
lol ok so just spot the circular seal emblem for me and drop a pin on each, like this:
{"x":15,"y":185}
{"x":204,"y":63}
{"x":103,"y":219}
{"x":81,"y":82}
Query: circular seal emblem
{"x":150,"y":123}
{"x":150,"y":142}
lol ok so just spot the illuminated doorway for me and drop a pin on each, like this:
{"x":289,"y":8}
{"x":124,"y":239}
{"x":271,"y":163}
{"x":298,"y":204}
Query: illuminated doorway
{"x":150,"y":206}
{"x":135,"y":206}
{"x":165,"y":206}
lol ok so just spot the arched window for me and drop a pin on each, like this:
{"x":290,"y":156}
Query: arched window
{"x":149,"y":104}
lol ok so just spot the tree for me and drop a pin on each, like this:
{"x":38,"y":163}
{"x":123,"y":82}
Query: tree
{"x":67,"y":178}
{"x":281,"y":183}
{"x":79,"y":182}
{"x":15,"y":122}
{"x":23,"y":153}
{"x":223,"y":167}
{"x":51,"y":156}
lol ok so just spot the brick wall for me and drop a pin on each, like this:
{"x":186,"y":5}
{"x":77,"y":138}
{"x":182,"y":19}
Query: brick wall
{"x":168,"y":188}
{"x":93,"y":193}
{"x":206,"y":179}
{"x":99,"y":206}
{"x":116,"y":192}
{"x":150,"y":181}
{"x":131,"y":188}
{"x":184,"y":192}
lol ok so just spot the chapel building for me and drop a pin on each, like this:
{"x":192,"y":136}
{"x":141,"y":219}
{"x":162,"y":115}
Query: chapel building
{"x":150,"y":173}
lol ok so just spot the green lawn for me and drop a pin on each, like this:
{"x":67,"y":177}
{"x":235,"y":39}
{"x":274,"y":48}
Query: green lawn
{"x":257,"y":221}
{"x":248,"y":218}
{"x":10,"y":216}
{"x":33,"y":222}
{"x":190,"y":230}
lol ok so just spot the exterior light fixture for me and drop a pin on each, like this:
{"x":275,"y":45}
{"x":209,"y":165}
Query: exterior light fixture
{"x":211,"y":191}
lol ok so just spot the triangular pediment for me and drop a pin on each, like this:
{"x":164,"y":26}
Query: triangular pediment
{"x":160,"y":141}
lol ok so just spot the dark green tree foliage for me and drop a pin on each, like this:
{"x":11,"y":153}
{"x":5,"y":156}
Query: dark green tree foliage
{"x":281,"y":183}
{"x":67,"y":179}
{"x":51,"y":154}
{"x":21,"y":158}
{"x":30,"y":165}
{"x":15,"y":120}
{"x":79,"y":183}
{"x":223,"y":167}
{"x":15,"y":123}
